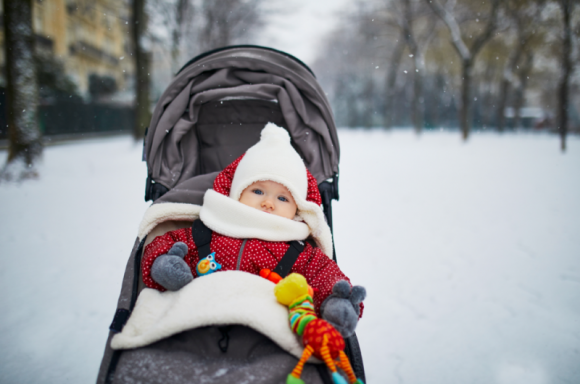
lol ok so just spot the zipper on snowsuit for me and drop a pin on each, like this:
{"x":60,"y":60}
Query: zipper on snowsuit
{"x":240,"y":255}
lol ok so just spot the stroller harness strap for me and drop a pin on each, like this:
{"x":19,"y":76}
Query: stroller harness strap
{"x":287,"y":262}
{"x":202,"y":239}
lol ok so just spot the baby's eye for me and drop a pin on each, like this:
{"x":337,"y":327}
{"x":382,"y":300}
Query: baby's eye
{"x":258,"y":191}
{"x":282,"y":198}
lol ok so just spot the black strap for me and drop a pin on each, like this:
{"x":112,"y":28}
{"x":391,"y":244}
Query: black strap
{"x":120,"y":319}
{"x":352,"y":350}
{"x":202,"y":238}
{"x":285,"y":265}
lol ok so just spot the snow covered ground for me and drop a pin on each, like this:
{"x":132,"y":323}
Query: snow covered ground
{"x":470,"y":253}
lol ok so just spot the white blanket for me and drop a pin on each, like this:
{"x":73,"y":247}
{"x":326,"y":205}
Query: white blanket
{"x":221,"y":298}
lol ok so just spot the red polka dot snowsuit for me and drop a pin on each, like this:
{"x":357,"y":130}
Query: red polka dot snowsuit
{"x":318,"y":269}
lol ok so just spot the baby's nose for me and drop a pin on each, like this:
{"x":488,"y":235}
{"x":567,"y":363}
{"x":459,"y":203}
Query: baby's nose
{"x":267,"y":203}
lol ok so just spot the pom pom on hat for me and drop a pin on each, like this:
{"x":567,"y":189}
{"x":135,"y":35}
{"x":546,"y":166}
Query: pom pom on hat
{"x":272,"y":158}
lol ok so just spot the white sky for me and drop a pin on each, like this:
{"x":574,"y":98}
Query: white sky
{"x":300,"y":27}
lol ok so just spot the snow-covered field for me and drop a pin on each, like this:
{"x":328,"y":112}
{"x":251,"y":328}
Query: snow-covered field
{"x":470,"y":253}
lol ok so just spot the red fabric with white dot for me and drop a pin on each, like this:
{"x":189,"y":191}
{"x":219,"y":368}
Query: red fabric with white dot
{"x":320,"y":271}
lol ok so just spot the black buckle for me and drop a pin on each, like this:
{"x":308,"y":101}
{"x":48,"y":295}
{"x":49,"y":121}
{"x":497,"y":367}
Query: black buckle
{"x":154,"y":190}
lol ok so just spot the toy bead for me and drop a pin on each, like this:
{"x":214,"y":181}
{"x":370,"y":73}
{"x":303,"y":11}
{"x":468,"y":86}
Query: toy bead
{"x":269,"y":275}
{"x":294,"y":380}
{"x":338,"y":379}
{"x":207,"y":265}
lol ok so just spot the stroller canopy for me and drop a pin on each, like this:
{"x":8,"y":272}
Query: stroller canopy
{"x":216,"y":106}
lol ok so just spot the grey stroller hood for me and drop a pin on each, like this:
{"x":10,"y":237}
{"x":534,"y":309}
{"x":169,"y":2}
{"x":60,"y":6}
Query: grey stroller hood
{"x":247,"y":86}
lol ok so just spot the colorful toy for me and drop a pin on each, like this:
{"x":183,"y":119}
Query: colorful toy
{"x":207,"y":265}
{"x":319,"y":337}
{"x":270,"y":275}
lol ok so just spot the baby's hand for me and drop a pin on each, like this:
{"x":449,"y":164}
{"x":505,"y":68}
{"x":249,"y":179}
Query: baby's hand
{"x":170,"y":270}
{"x":342,"y":307}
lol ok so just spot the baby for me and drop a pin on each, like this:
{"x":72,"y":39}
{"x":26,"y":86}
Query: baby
{"x":259,"y":203}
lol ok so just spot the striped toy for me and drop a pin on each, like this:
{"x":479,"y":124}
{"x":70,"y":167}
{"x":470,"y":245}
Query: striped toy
{"x":318,"y":337}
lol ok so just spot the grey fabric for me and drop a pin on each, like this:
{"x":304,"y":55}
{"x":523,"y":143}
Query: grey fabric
{"x":172,"y":143}
{"x":342,"y":307}
{"x":195,"y":357}
{"x":226,"y":129}
{"x":170,"y":270}
{"x":123,"y":302}
{"x":190,"y":191}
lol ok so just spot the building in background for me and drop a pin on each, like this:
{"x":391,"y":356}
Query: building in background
{"x":91,"y":38}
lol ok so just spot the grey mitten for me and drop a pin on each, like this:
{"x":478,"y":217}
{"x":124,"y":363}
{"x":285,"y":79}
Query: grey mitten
{"x":342,"y":307}
{"x":170,"y":270}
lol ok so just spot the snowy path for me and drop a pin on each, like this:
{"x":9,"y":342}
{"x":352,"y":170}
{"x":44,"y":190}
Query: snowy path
{"x":470,"y":253}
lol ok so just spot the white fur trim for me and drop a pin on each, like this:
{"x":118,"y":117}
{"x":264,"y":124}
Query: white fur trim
{"x":234,"y":219}
{"x":313,"y":216}
{"x":159,"y":213}
{"x":222,"y":298}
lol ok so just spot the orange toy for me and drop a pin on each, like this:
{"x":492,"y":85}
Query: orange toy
{"x":318,"y":337}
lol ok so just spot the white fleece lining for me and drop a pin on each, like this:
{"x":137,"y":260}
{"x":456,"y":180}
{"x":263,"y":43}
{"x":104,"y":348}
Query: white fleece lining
{"x":234,"y":219}
{"x":222,"y":298}
{"x":159,"y":213}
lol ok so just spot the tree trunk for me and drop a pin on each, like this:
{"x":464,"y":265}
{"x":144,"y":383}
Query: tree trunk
{"x":181,"y":14}
{"x":25,"y":141}
{"x":566,"y":71}
{"x":501,"y":105}
{"x":369,"y":110}
{"x":391,"y":80}
{"x":487,"y":97}
{"x":418,"y":105}
{"x":521,"y":90}
{"x":507,"y":80}
{"x":437,"y":104}
{"x":142,"y":71}
{"x":417,"y":102}
{"x":465,"y":107}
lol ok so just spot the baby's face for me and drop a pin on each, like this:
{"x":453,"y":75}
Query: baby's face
{"x":270,"y":197}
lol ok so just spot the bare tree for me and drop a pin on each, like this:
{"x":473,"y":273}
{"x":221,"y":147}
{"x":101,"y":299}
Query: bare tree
{"x":227,"y":21}
{"x":391,"y":90}
{"x":525,"y":16}
{"x":466,"y":53}
{"x":566,"y":65}
{"x":169,"y":21}
{"x":25,"y":146}
{"x":182,"y":13}
{"x":416,"y":45}
{"x":142,"y":59}
{"x":523,"y":76}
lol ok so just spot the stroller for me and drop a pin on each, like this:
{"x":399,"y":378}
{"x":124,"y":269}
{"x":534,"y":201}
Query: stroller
{"x":211,"y":113}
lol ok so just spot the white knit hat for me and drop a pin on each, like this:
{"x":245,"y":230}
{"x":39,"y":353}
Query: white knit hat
{"x":273,"y":158}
